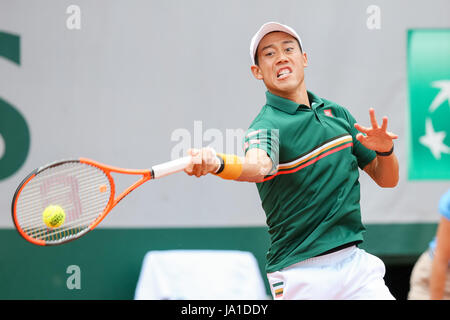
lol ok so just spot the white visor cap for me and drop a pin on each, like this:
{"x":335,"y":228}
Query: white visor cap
{"x":267,"y":28}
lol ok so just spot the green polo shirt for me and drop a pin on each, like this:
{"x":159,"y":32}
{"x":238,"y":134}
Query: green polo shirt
{"x":311,"y":197}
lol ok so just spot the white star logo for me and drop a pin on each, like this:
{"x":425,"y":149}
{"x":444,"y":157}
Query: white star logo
{"x":442,"y":96}
{"x":434,"y":140}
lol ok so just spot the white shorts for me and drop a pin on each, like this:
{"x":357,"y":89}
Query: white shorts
{"x":347,"y":274}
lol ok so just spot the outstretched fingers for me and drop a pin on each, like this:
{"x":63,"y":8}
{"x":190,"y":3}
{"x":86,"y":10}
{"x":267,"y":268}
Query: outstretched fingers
{"x":361,"y":128}
{"x":384,"y":124}
{"x":373,"y":120}
{"x":360,"y":137}
{"x":392,"y":135}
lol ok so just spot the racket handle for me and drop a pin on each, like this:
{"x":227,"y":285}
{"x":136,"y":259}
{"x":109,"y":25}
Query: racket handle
{"x":170,"y":167}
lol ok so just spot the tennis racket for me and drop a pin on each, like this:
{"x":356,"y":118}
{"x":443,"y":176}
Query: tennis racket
{"x":83,"y":188}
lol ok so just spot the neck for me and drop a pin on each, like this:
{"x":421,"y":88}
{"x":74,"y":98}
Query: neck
{"x":299,"y":95}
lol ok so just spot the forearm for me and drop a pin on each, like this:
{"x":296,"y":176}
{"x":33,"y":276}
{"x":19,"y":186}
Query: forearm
{"x":387,"y":171}
{"x":438,"y":277}
{"x":251,"y":168}
{"x":441,"y":260}
{"x":384,"y":170}
{"x":254,"y":171}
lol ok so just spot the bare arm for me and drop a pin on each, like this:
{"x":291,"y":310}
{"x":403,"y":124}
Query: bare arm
{"x":255,"y":165}
{"x":383,"y":169}
{"x":440,"y":261}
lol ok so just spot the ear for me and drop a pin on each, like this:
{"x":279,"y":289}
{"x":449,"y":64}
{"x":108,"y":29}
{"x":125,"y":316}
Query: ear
{"x":256,"y":71}
{"x":305,"y":60}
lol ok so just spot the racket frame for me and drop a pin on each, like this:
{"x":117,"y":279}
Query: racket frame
{"x":155,"y":172}
{"x":107,"y":169}
{"x":146,"y":174}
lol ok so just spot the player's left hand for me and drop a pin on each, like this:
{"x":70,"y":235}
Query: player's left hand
{"x":376,"y":138}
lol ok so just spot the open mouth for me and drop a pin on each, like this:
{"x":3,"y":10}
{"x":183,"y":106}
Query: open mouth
{"x":284,"y":72}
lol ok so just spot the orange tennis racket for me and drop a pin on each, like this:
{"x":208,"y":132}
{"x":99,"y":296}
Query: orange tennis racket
{"x":84,"y":189}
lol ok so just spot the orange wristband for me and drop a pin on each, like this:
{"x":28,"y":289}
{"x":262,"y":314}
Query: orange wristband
{"x":231,"y":168}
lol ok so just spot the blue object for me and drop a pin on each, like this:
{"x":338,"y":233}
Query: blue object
{"x":444,"y":210}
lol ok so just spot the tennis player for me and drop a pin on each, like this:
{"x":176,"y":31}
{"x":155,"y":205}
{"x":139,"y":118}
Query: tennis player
{"x":303,"y":152}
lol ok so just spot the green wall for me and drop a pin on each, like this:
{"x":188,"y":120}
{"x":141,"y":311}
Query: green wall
{"x":110,"y":259}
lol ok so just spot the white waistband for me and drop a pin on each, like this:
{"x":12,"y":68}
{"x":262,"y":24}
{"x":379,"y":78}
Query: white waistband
{"x":333,"y":257}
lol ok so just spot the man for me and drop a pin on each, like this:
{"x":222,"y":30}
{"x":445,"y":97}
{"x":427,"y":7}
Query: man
{"x":304,"y":151}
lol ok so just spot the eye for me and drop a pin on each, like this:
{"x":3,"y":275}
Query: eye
{"x":269,"y":54}
{"x":289,"y":49}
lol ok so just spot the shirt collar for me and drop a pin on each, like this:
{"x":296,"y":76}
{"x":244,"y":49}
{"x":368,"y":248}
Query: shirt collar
{"x":290,"y":106}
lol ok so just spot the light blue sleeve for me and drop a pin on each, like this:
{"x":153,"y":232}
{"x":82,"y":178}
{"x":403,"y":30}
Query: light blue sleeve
{"x":444,"y":205}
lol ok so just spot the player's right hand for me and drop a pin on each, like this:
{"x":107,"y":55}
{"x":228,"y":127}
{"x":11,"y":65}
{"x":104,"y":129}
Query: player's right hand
{"x":203,"y":161}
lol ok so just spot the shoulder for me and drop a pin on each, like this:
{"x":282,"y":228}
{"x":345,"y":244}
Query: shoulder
{"x":339,"y":111}
{"x":331,"y":104}
{"x":266,"y":119}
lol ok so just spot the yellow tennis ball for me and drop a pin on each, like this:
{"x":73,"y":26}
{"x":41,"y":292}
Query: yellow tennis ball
{"x":53,"y":216}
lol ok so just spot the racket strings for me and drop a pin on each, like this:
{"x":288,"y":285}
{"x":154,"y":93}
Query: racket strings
{"x":81,"y":190}
{"x":61,"y":197}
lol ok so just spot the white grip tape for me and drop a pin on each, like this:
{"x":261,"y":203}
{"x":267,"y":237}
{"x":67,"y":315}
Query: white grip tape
{"x":170,"y":167}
